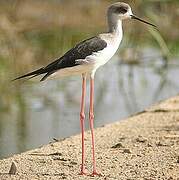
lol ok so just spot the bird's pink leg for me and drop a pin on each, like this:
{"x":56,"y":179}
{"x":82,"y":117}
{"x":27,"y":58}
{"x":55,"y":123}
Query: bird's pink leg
{"x":91,"y":118}
{"x":82,"y":119}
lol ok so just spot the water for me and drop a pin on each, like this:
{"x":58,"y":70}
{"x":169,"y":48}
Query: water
{"x":50,"y":110}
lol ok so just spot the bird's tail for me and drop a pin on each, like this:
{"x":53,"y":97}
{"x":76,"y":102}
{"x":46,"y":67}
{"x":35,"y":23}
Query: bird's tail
{"x":31,"y":74}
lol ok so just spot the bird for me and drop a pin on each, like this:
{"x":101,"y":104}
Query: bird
{"x":84,"y":59}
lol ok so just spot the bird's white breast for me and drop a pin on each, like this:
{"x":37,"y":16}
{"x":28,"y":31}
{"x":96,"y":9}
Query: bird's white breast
{"x":102,"y":57}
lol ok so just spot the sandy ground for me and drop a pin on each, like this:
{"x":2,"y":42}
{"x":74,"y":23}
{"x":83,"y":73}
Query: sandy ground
{"x":145,"y":146}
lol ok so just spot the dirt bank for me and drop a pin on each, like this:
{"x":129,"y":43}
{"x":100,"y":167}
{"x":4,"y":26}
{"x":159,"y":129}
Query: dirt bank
{"x":145,"y":146}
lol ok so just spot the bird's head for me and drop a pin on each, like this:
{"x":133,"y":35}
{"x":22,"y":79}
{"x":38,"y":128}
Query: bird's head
{"x":122,"y":11}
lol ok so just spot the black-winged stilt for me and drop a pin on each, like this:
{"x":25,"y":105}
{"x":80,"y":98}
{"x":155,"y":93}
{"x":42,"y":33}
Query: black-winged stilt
{"x":85,"y":58}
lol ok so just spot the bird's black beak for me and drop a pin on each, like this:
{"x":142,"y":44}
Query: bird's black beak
{"x":135,"y":17}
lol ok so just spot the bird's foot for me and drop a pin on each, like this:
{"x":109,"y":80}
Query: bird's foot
{"x":83,"y":171}
{"x":95,"y":173}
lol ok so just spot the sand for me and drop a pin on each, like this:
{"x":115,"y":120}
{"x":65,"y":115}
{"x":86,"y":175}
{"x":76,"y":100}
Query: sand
{"x":145,"y":146}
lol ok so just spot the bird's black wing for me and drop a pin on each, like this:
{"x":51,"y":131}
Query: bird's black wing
{"x":80,"y":51}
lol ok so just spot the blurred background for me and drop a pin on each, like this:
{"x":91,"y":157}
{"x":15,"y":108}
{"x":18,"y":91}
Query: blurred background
{"x":33,"y":33}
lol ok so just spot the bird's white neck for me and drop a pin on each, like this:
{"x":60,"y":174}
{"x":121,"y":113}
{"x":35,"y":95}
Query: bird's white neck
{"x":115,"y":26}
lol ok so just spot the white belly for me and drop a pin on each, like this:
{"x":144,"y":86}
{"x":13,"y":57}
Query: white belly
{"x":72,"y":71}
{"x":102,"y":57}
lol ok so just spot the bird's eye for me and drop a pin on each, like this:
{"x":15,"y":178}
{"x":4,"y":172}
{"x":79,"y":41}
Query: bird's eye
{"x":120,"y":10}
